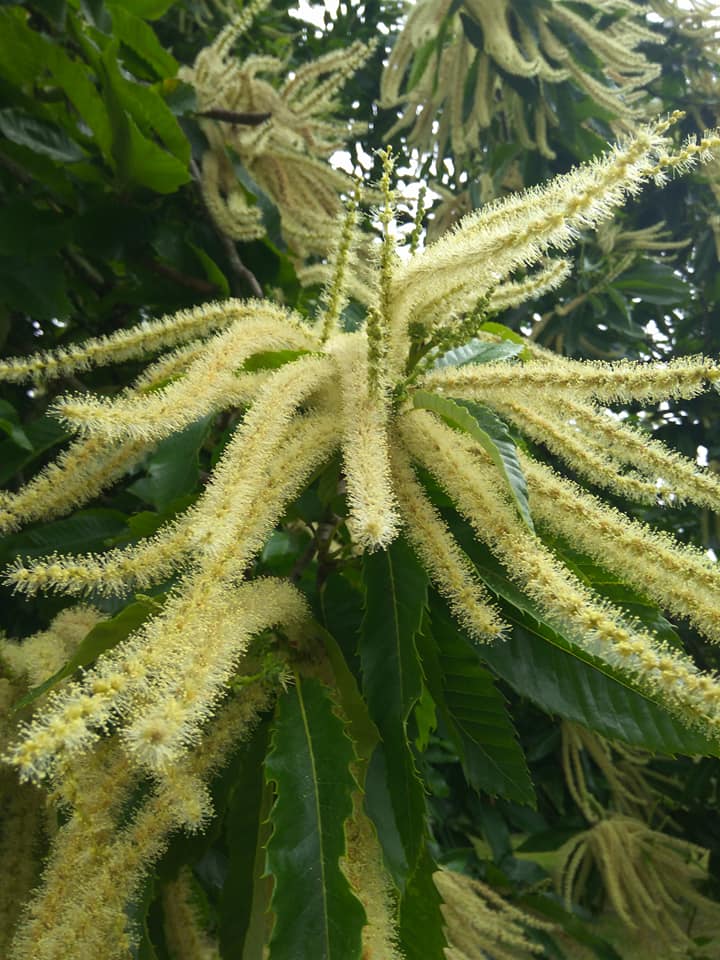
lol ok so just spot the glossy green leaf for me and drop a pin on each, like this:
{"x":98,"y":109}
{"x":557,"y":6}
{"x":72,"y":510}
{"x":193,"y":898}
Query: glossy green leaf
{"x":10,"y":425}
{"x":43,"y":434}
{"x":39,"y":136}
{"x":317,"y":917}
{"x":395,"y":598}
{"x":490,"y":432}
{"x":561,"y":678}
{"x":103,"y":636}
{"x":479,"y":351}
{"x":476,"y":714}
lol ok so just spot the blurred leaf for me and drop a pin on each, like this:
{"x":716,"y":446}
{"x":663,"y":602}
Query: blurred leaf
{"x":43,"y":434}
{"x":654,"y":283}
{"x":39,"y":136}
{"x":271,"y":359}
{"x":140,"y":37}
{"x":309,"y":763}
{"x":421,"y":921}
{"x":10,"y":424}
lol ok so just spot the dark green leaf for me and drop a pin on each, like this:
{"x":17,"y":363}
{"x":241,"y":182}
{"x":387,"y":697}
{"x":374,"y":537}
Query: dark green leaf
{"x":43,"y":434}
{"x":245,"y":835}
{"x":395,"y":598}
{"x":421,"y":922}
{"x":82,"y":532}
{"x":173,"y":471}
{"x":103,"y":636}
{"x":490,"y":432}
{"x":476,"y":715}
{"x":654,"y":283}
{"x":420,"y":62}
{"x":39,"y":136}
{"x":317,"y":917}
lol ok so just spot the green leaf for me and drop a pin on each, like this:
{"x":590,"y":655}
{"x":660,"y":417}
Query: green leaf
{"x":500,"y":330}
{"x":421,"y":921}
{"x":43,"y":434}
{"x":363,"y":731}
{"x":245,"y":830}
{"x":395,"y":598}
{"x":316,"y":914}
{"x":271,"y":359}
{"x":479,"y":351}
{"x":141,"y":38}
{"x":10,"y":424}
{"x":149,"y":9}
{"x":39,"y":136}
{"x":655,"y":282}
{"x":561,"y":678}
{"x":475,"y":714}
{"x":103,"y":636}
{"x":82,"y":532}
{"x":255,"y":194}
{"x":173,"y":469}
{"x":490,"y":432}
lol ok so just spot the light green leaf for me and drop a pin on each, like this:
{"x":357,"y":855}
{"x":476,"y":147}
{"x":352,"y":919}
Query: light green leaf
{"x":271,"y":359}
{"x":490,"y":432}
{"x":475,"y":713}
{"x":317,"y":917}
{"x":39,"y":136}
{"x":479,"y":351}
{"x":103,"y":636}
{"x":141,"y":38}
{"x":395,"y":598}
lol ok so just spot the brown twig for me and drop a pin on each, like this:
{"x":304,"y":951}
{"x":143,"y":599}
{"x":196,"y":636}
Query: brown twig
{"x":184,"y":280}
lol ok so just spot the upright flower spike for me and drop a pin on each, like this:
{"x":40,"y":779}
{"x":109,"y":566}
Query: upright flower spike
{"x":157,"y":693}
{"x":449,"y":53}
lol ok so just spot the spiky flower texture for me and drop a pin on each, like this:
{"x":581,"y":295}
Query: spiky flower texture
{"x":391,"y":400}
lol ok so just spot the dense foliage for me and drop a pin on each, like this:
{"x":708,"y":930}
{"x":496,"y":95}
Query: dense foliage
{"x":359,"y":607}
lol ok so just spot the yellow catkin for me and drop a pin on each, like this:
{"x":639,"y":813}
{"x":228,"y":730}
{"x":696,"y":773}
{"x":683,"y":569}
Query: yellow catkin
{"x":364,"y":413}
{"x":649,"y":877}
{"x":623,"y":381}
{"x":452,"y":572}
{"x":184,"y":934}
{"x":210,"y":383}
{"x":592,"y":624}
{"x":79,"y":910}
{"x":364,"y":868}
{"x":142,"y":340}
{"x":479,"y":923}
{"x":680,"y":578}
{"x":40,"y":656}
{"x":122,"y":681}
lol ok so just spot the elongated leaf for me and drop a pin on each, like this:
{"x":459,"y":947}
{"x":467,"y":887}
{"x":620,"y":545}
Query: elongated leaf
{"x":479,"y":351}
{"x":39,"y":136}
{"x":561,"y":678}
{"x":271,"y":359}
{"x":490,"y":432}
{"x":141,"y":38}
{"x":103,"y":636}
{"x":395,"y":597}
{"x":421,"y":922}
{"x":244,"y":832}
{"x":43,"y":434}
{"x":317,"y":917}
{"x":476,"y":716}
